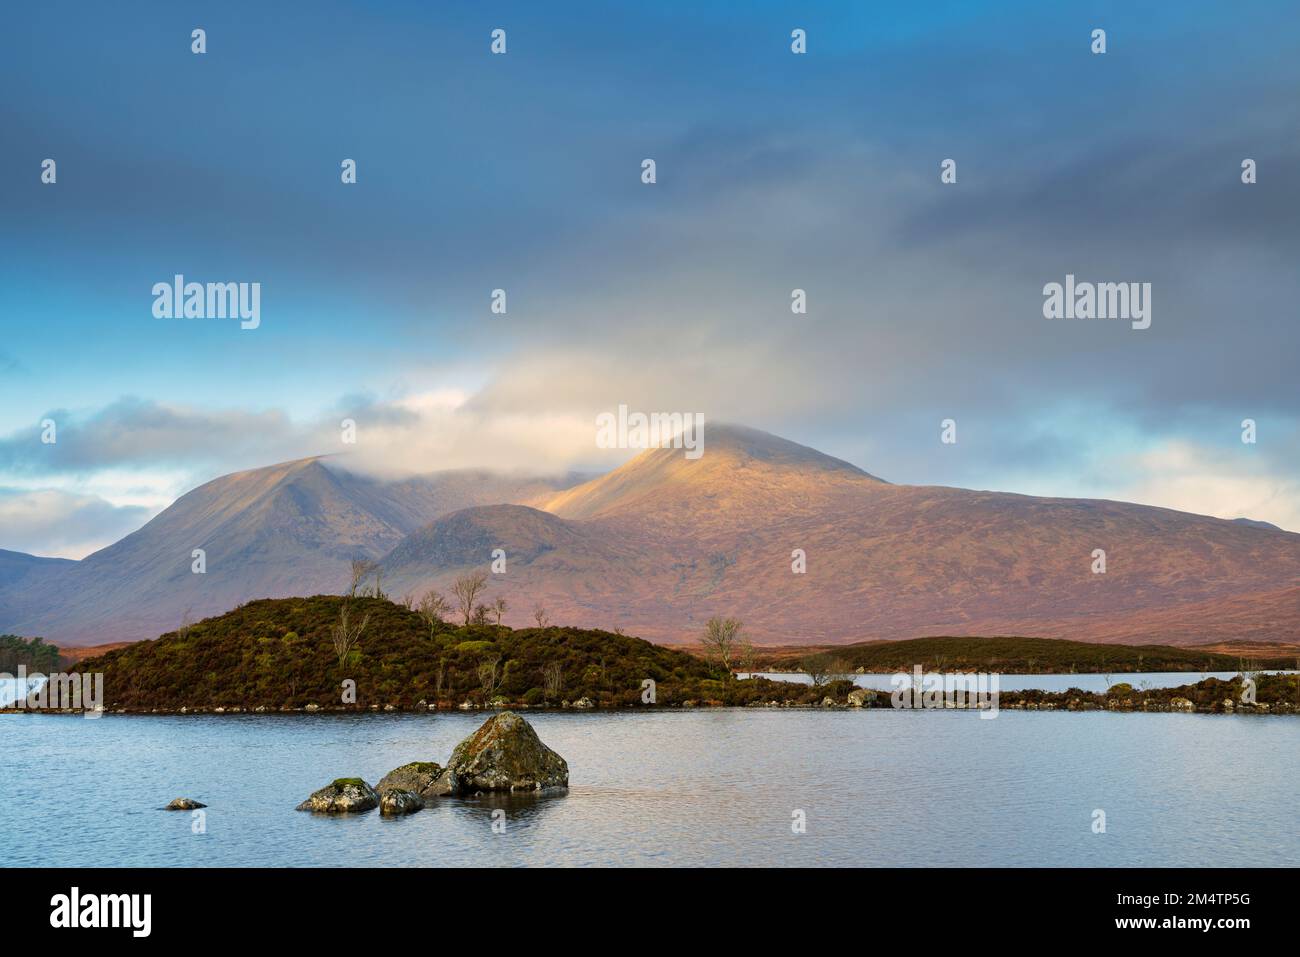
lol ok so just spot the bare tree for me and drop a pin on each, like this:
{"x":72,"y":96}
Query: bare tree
{"x":499,"y":608}
{"x":818,"y":668}
{"x":540,"y":616}
{"x":466,"y":590}
{"x":720,"y":639}
{"x":345,"y":633}
{"x":361,"y":569}
{"x":408,"y":601}
{"x":748,"y":658}
{"x":440,"y":679}
{"x":482,"y":615}
{"x":839,"y":670}
{"x":552,"y":679}
{"x":488,"y":678}
{"x":434,"y":609}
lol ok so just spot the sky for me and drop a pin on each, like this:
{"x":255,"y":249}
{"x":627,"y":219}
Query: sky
{"x":522,"y":172}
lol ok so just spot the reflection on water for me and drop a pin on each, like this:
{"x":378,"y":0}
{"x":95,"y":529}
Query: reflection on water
{"x":708,"y":786}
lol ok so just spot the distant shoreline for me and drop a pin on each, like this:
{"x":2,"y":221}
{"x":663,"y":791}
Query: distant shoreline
{"x":1273,"y":694}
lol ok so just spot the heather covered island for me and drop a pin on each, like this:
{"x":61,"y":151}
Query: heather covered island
{"x":355,"y":653}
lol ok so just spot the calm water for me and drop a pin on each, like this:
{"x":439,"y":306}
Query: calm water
{"x":878,"y":787}
{"x":1084,"y":682}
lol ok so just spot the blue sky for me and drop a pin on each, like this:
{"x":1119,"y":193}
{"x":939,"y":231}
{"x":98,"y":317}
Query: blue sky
{"x":521,"y":171}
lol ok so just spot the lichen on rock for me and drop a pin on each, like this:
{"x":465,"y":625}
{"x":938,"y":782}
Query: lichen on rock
{"x":342,"y":796}
{"x":395,"y":802}
{"x":505,"y":754}
{"x":418,"y":776}
{"x":183,"y":804}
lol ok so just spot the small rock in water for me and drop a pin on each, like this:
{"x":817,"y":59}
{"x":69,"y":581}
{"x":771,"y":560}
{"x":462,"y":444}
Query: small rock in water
{"x":183,"y":804}
{"x":399,"y":802}
{"x":505,"y":754}
{"x":343,"y":796}
{"x":420,"y":777}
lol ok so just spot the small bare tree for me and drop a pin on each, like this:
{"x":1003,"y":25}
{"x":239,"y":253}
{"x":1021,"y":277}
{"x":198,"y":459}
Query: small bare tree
{"x":540,"y":616}
{"x":839,"y":670}
{"x":488,"y":678}
{"x":434,"y":610}
{"x":818,"y":668}
{"x":748,"y":658}
{"x":466,"y":590}
{"x":361,"y":569}
{"x":439,"y":680}
{"x":552,"y":679}
{"x":482,"y":615}
{"x":345,"y":634}
{"x":720,"y":639}
{"x":499,"y":608}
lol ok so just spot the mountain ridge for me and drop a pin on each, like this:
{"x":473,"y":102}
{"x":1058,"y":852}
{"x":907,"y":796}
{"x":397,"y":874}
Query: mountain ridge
{"x":803,"y":547}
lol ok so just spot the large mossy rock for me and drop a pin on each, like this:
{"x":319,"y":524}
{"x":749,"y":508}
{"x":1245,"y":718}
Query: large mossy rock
{"x":503,"y":755}
{"x":343,"y":796}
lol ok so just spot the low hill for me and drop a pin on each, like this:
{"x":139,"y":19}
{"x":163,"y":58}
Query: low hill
{"x":277,"y":654}
{"x":1013,"y":655}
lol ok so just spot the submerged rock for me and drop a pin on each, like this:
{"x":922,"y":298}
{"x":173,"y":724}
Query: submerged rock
{"x":399,"y":802}
{"x":505,"y":754}
{"x":343,"y":796}
{"x":183,"y":804}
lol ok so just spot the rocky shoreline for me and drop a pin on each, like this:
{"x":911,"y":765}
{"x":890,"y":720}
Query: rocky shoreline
{"x":1049,"y":701}
{"x":1273,"y":694}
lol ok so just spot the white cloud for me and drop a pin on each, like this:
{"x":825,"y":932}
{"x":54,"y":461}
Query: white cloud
{"x":1193,"y":478}
{"x":59,"y":524}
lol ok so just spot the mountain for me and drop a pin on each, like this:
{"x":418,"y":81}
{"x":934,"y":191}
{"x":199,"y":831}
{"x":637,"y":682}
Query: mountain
{"x":664,"y":542}
{"x":289,"y":529}
{"x":661,"y":544}
{"x":16,"y":566}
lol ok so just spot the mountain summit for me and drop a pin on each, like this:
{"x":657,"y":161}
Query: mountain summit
{"x":740,"y":469}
